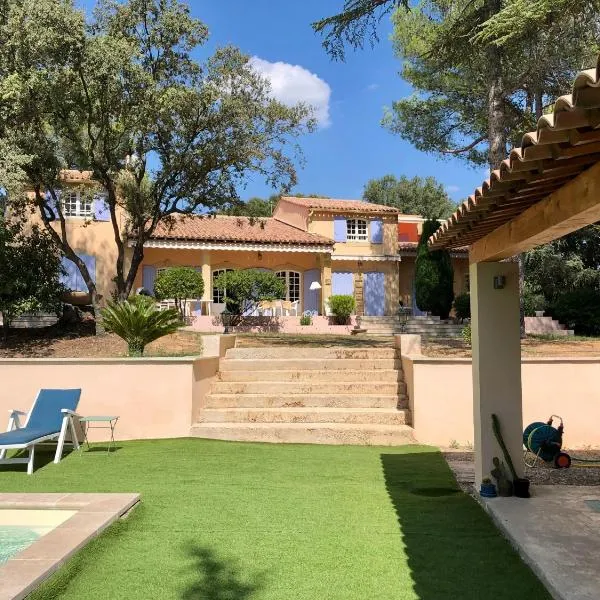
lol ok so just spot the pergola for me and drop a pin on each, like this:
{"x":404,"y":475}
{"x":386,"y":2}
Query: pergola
{"x":548,"y":187}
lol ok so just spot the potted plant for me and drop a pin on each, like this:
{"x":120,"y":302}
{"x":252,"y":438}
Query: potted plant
{"x":520,"y":484}
{"x":487,"y":488}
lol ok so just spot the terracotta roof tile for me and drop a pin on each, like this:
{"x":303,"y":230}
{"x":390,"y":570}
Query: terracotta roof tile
{"x":235,"y":229}
{"x":344,"y":206}
{"x":565,"y":143}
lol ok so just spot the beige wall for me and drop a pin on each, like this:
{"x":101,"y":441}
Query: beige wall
{"x":322,"y":224}
{"x":441,"y":397}
{"x":154,"y":398}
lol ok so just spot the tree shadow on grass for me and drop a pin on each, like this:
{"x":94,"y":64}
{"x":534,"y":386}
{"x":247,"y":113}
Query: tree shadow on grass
{"x":218,"y":579}
{"x":453,"y":549}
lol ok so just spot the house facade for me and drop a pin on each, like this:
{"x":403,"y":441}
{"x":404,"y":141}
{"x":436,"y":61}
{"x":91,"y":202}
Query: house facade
{"x":318,"y":246}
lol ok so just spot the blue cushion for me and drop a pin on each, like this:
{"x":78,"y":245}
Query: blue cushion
{"x":23,"y":436}
{"x":46,"y":414}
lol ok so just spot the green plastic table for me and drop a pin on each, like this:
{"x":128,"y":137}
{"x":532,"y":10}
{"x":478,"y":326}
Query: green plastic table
{"x":108,"y":422}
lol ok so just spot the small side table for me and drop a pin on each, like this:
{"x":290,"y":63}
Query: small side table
{"x":106,"y":422}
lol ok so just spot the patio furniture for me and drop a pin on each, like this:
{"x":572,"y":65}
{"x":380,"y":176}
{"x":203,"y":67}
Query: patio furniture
{"x":266,"y":309}
{"x":106,"y":422}
{"x":52,"y":413}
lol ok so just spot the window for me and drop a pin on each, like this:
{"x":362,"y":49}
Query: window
{"x":76,"y":205}
{"x":356,"y":230}
{"x":292,"y":284}
{"x":218,"y":295}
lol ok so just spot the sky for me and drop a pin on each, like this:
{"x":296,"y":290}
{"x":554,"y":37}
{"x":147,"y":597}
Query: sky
{"x":350,"y":146}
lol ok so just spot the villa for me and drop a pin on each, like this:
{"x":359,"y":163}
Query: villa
{"x":318,"y":246}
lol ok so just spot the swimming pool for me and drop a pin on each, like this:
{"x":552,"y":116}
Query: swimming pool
{"x":19,"y":528}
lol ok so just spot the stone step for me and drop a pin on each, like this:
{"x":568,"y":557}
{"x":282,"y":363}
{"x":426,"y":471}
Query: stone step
{"x":307,"y":433}
{"x":343,"y":375}
{"x":314,"y":352}
{"x":274,"y":400}
{"x":292,"y":364}
{"x":381,"y":416}
{"x":306,"y":387}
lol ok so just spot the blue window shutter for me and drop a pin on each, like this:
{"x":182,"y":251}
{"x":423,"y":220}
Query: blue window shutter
{"x":311,"y":297}
{"x":148,"y":278}
{"x":69,"y":277}
{"x":52,"y":204}
{"x":101,"y":210}
{"x":339,"y":229}
{"x":377,"y":232}
{"x":342,"y":283}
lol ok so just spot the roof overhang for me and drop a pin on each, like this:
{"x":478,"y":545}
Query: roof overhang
{"x":377,"y":258}
{"x":562,"y":151}
{"x":235,"y":246}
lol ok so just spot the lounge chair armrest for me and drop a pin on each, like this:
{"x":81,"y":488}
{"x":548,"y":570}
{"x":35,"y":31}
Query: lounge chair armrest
{"x":17,"y":413}
{"x":71,"y":413}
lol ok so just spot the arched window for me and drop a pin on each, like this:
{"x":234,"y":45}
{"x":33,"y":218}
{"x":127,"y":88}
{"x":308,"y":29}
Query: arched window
{"x":218,"y":295}
{"x":357,"y":230}
{"x":292,"y":284}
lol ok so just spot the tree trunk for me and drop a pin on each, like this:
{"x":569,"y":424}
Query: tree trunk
{"x":5,"y":328}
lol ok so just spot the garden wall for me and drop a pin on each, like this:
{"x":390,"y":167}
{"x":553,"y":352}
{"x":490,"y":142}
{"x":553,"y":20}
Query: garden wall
{"x":441,"y":397}
{"x":153,"y":397}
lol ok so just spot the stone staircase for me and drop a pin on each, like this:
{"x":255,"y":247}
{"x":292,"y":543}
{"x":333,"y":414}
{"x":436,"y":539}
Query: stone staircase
{"x":308,"y":395}
{"x":427,"y":327}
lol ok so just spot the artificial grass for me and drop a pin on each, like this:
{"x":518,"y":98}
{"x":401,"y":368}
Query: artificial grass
{"x":233,"y":521}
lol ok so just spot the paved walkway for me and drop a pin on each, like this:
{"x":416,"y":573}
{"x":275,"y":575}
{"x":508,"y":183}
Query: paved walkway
{"x":556,"y":531}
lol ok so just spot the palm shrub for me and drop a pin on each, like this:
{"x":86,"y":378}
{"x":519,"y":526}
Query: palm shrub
{"x":139,"y":322}
{"x":342,"y":306}
{"x":179,"y":284}
{"x":462,"y":306}
{"x":434,"y":276}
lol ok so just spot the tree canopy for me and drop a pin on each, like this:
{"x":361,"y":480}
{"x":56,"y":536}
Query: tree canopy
{"x":122,"y":95}
{"x":179,"y":284}
{"x":255,"y":207}
{"x":417,"y":196}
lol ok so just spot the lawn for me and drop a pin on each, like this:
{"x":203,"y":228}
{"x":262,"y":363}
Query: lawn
{"x":233,"y":521}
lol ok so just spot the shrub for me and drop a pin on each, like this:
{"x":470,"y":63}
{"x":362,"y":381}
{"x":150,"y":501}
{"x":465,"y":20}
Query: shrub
{"x":579,"y":310}
{"x":434,"y":276}
{"x":462,"y":306}
{"x":243,"y":290}
{"x":139,"y":322}
{"x":466,"y":334}
{"x":342,"y":307}
{"x":532,"y":301}
{"x":306,"y":319}
{"x":179,"y":284}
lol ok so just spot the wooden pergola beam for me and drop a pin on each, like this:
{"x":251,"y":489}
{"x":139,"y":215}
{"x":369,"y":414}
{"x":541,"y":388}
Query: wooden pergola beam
{"x":569,"y":208}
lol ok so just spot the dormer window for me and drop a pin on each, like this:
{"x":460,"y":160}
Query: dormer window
{"x":357,"y":230}
{"x":77,"y":205}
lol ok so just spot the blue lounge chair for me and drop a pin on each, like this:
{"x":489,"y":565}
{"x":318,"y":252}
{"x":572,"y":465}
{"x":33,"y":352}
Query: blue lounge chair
{"x":52,"y":413}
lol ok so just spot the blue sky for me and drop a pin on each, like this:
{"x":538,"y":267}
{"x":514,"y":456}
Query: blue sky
{"x":350,"y":147}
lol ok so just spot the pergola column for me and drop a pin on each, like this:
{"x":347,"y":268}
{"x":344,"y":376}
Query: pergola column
{"x":206,"y":275}
{"x":496,"y":342}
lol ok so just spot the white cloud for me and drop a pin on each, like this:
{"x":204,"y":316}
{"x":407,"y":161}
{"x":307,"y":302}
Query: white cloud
{"x":292,"y":83}
{"x":451,"y":189}
{"x":372,"y":87}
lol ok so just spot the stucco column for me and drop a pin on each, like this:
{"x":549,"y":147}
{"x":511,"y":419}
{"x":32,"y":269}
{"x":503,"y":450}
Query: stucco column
{"x":325,"y":263}
{"x":206,"y":275}
{"x":496,"y":363}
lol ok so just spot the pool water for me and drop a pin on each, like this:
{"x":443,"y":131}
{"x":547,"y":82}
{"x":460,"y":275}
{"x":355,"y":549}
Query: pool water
{"x":13,"y":539}
{"x":21,"y":528}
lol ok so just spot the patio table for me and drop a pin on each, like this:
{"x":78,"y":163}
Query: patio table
{"x":106,"y":422}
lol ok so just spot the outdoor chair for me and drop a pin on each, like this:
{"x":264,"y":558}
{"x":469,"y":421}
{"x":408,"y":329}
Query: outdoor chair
{"x":52,"y":413}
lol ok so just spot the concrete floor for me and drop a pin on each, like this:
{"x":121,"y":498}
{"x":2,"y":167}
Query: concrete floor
{"x":557,"y":533}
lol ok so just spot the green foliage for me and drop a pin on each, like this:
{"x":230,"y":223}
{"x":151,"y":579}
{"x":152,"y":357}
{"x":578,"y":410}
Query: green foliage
{"x":417,"y":196}
{"x":434,"y":276}
{"x":139,"y":322}
{"x":462,"y":306}
{"x":579,"y":310}
{"x":465,"y":334}
{"x":123,"y":94}
{"x":306,"y":320}
{"x":342,"y":306}
{"x":30,"y":269}
{"x":244,"y":289}
{"x":255,"y":207}
{"x":532,"y":301}
{"x":179,"y":284}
